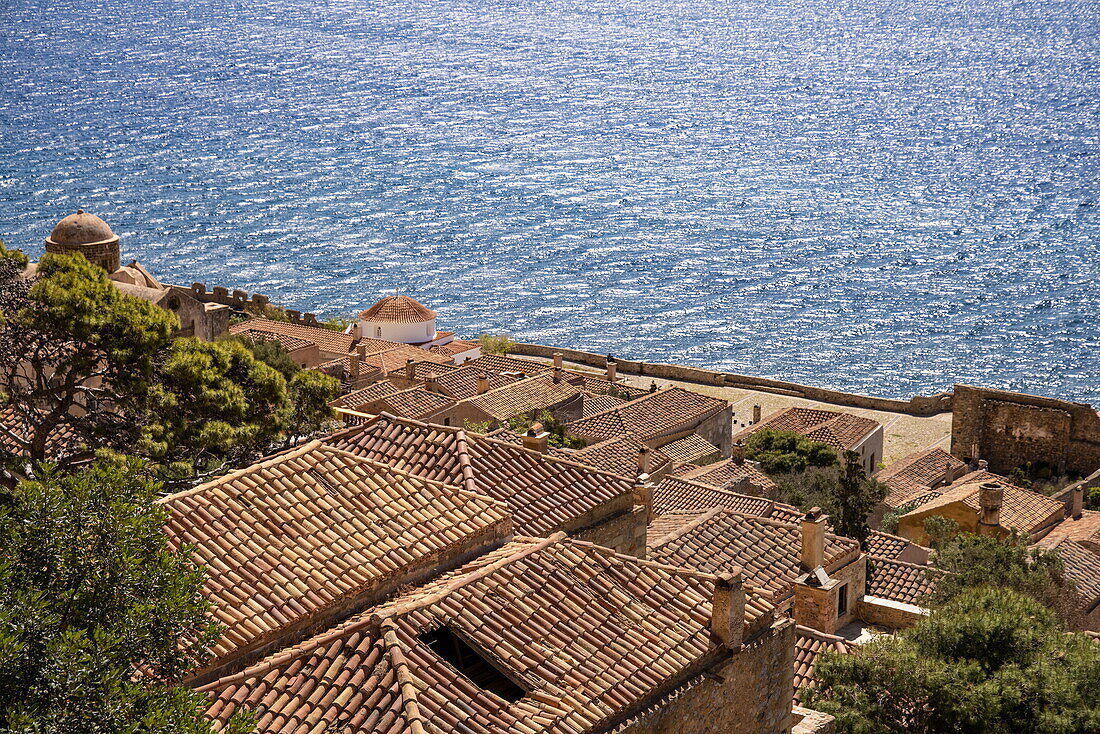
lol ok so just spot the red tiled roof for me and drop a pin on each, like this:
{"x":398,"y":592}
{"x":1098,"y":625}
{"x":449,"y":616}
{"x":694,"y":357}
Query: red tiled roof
{"x":885,"y":545}
{"x":526,"y":396}
{"x":499,"y":363}
{"x":461,"y":382}
{"x":911,"y":478}
{"x":413,"y":403}
{"x":723,"y":474}
{"x":1081,"y":565}
{"x":908,"y":583}
{"x":544,"y":493}
{"x":398,"y":310}
{"x":327,"y":340}
{"x":768,"y":552}
{"x":1022,"y":510}
{"x":808,"y":646}
{"x":457,"y":346}
{"x":590,"y":635}
{"x":677,"y":494}
{"x":649,"y":417}
{"x":620,"y":456}
{"x":599,"y":403}
{"x":690,"y":448}
{"x":299,"y":533}
{"x":840,"y":430}
{"x":366,"y":395}
{"x":286,"y":341}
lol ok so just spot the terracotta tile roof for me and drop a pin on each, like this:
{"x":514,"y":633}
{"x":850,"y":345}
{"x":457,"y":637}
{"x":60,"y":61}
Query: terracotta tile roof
{"x":587,"y":634}
{"x":544,"y":493}
{"x":458,"y":346}
{"x":413,"y":403}
{"x":366,"y":395}
{"x":723,"y":474}
{"x":287,"y":538}
{"x":909,"y":583}
{"x":523,"y":397}
{"x":620,"y":456}
{"x":516,"y":439}
{"x":885,"y":545}
{"x":327,"y":340}
{"x":689,"y":448}
{"x":1023,"y":509}
{"x":601,"y":386}
{"x":499,"y":363}
{"x":912,"y":476}
{"x":394,"y":360}
{"x":286,"y":341}
{"x":1081,"y":565}
{"x":599,"y":403}
{"x":461,"y":382}
{"x":398,"y":309}
{"x":62,"y":441}
{"x":808,"y":645}
{"x":649,"y":417}
{"x":675,"y":494}
{"x":769,"y":552}
{"x":1084,"y":529}
{"x":840,"y":430}
{"x":376,"y":346}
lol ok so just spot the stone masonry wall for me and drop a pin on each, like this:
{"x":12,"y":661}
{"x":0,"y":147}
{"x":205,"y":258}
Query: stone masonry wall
{"x":749,"y":694}
{"x":625,"y":533}
{"x":1011,"y":429}
{"x":919,"y":405}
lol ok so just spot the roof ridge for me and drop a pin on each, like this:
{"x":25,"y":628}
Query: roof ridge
{"x":263,"y":463}
{"x":907,"y":564}
{"x":701,"y":518}
{"x":818,"y":634}
{"x":409,"y":704}
{"x":464,"y":464}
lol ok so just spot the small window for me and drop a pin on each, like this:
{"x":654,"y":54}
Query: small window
{"x":378,"y":332}
{"x":472,"y":664}
{"x":842,"y":600}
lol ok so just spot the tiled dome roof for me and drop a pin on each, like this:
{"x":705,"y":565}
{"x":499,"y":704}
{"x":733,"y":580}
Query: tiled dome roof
{"x":398,"y":310}
{"x":81,"y":228}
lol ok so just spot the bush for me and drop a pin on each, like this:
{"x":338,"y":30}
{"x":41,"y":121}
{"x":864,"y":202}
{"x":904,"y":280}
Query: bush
{"x":787,"y":452}
{"x":496,"y":343}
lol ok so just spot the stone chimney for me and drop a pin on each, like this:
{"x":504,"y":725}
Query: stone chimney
{"x":653,"y":386}
{"x":557,"y":375}
{"x":410,"y":369}
{"x":536,"y":438}
{"x":983,"y":465}
{"x":482,"y":383}
{"x":644,"y":456}
{"x":557,"y":360}
{"x":990,"y":498}
{"x":612,"y":368}
{"x":813,"y":539}
{"x":756,"y":414}
{"x":353,"y":366}
{"x":737,"y":452}
{"x":643,"y":496}
{"x":1078,"y":507}
{"x":727,"y":613}
{"x":429,"y":384}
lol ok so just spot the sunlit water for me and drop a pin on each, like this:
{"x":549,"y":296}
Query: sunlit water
{"x":884,"y":196}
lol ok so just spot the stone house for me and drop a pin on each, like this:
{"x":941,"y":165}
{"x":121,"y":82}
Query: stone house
{"x":916,"y":479}
{"x":842,"y":431}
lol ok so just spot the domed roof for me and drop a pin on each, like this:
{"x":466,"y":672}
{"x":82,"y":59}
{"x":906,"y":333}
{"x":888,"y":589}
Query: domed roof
{"x":398,"y":310}
{"x":81,"y":228}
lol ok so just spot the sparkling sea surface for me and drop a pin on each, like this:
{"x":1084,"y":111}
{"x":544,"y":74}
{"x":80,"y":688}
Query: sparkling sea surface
{"x":870,"y":195}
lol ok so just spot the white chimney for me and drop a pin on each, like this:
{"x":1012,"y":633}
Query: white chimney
{"x":644,"y":456}
{"x":557,"y":360}
{"x":536,"y":439}
{"x":1078,"y":502}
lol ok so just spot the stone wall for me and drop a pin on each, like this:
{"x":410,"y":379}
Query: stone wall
{"x":750,"y":693}
{"x":894,"y":615}
{"x":1011,"y":429}
{"x":625,"y":533}
{"x":919,"y":405}
{"x":242,"y":301}
{"x":818,"y":606}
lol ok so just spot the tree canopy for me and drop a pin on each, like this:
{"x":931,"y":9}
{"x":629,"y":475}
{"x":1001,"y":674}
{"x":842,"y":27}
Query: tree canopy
{"x":990,"y":661}
{"x":99,"y":617}
{"x":787,"y":452}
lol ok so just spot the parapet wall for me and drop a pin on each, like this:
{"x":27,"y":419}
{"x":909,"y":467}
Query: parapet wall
{"x":919,"y":405}
{"x":242,"y":301}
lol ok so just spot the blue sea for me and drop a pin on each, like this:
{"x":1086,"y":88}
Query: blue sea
{"x":884,"y":196}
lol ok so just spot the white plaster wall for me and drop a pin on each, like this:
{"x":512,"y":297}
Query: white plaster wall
{"x":403,"y":333}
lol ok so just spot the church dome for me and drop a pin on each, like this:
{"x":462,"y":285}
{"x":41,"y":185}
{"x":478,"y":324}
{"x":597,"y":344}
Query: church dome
{"x":398,"y":310}
{"x":81,"y":228}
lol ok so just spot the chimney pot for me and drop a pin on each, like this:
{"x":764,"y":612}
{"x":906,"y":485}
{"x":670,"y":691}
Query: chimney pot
{"x":410,"y":369}
{"x":756,"y":413}
{"x":482,"y":383}
{"x":813,"y":539}
{"x":557,"y":360}
{"x":644,"y":455}
{"x":990,"y":498}
{"x":1078,"y":502}
{"x":727,"y":616}
{"x":983,"y":465}
{"x":536,"y":438}
{"x":557,"y":374}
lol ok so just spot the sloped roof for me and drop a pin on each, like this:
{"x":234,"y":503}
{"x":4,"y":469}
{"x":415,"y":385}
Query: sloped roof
{"x":544,"y":493}
{"x":908,"y":583}
{"x":1022,"y":510}
{"x":458,"y":346}
{"x":842,"y":431}
{"x":366,"y":395}
{"x":650,"y":416}
{"x":327,"y":340}
{"x":722,"y":474}
{"x":808,"y":646}
{"x":589,"y":634}
{"x":677,"y":494}
{"x":915,"y":474}
{"x":398,"y":309}
{"x":501,"y":363}
{"x":1081,"y":565}
{"x":885,"y":545}
{"x":287,"y":538}
{"x":595,"y":403}
{"x":62,"y":440}
{"x":768,"y":552}
{"x":620,"y":456}
{"x":412,"y":403}
{"x":1083,"y":529}
{"x":689,"y":448}
{"x":601,"y":386}
{"x":286,"y":341}
{"x":525,"y":396}
{"x":394,"y":360}
{"x":461,"y":382}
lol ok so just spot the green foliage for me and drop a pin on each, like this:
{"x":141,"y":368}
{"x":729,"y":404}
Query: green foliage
{"x":940,"y":530}
{"x":846,"y":494}
{"x":271,"y":353}
{"x":76,"y":342}
{"x":974,"y":561}
{"x":267,"y":311}
{"x":1019,"y":478}
{"x":990,"y":661}
{"x":481,"y":427}
{"x":214,"y":404}
{"x":1092,"y":498}
{"x":891,"y":519}
{"x":16,"y":257}
{"x":339,"y":323}
{"x":557,"y":438}
{"x":310,"y":394}
{"x":787,"y":452}
{"x":98,"y":617}
{"x":496,"y":343}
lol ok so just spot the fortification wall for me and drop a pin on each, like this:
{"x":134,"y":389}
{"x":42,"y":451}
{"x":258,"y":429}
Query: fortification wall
{"x":919,"y":405}
{"x":242,"y":301}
